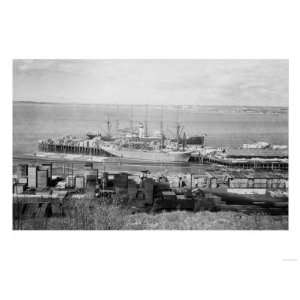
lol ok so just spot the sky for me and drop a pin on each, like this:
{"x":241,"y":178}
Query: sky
{"x":191,"y":82}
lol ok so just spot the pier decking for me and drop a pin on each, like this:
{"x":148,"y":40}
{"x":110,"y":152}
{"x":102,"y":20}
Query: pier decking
{"x":73,"y":149}
{"x":243,"y":164}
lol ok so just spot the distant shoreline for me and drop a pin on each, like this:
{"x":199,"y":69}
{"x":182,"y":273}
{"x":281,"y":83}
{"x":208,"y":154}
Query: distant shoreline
{"x":141,"y":105}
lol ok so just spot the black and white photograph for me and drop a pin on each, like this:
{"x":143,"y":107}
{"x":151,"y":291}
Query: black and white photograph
{"x":150,"y":144}
{"x":149,"y":149}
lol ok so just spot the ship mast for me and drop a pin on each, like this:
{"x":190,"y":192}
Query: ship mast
{"x":162,"y":127}
{"x":108,"y":124}
{"x":161,"y":120}
{"x":131,"y":119}
{"x":177,"y":127}
{"x":146,"y":121}
{"x":183,"y":141}
{"x":117,"y":119}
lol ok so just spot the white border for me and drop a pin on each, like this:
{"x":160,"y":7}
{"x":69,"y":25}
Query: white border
{"x":148,"y":265}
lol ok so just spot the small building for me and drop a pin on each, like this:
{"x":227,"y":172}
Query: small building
{"x":238,"y":182}
{"x":48,"y":167}
{"x":22,"y":170}
{"x":70,"y":181}
{"x":90,"y":185}
{"x":168,"y":195}
{"x":117,"y":179}
{"x":132,"y":189}
{"x":168,"y":200}
{"x":121,"y":180}
{"x":260,"y":183}
{"x":19,"y":188}
{"x":91,"y":174}
{"x":32,"y":177}
{"x":79,"y":182}
{"x":212,"y":181}
{"x":23,"y":180}
{"x":147,"y":185}
{"x":199,"y":181}
{"x":42,"y":179}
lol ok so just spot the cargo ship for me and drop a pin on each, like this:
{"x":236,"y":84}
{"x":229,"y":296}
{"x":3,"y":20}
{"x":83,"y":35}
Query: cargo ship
{"x":143,"y":147}
{"x":148,"y":155}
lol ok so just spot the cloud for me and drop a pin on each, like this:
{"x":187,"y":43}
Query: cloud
{"x":224,"y":82}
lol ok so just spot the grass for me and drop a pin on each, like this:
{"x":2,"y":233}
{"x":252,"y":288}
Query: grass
{"x":205,"y":220}
{"x":88,"y":214}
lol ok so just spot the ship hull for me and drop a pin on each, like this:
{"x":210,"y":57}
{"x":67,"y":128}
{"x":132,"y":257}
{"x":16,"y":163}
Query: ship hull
{"x":150,"y":156}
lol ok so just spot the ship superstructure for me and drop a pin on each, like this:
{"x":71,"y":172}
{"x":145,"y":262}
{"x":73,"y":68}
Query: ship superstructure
{"x":144,"y":147}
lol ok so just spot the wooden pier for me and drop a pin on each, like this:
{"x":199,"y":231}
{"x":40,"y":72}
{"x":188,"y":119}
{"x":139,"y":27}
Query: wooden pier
{"x":72,"y":149}
{"x":245,"y":164}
